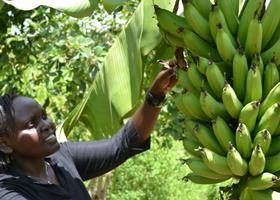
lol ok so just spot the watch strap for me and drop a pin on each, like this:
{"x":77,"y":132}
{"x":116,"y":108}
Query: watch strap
{"x":154,"y":100}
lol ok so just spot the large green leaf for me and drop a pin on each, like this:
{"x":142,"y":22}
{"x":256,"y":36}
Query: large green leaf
{"x":117,"y":86}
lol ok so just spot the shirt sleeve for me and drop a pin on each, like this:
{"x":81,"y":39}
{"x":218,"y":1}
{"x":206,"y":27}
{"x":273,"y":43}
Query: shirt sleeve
{"x":95,"y":158}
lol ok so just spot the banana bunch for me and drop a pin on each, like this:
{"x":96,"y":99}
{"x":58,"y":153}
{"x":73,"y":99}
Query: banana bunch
{"x":231,"y":91}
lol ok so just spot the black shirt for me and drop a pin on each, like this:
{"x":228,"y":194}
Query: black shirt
{"x":74,"y":163}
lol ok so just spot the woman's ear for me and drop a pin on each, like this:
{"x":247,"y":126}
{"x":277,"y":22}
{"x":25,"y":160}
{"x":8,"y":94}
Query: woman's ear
{"x":4,"y":145}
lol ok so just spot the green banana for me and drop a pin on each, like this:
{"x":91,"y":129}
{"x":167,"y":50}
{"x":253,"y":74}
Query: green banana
{"x":231,"y":101}
{"x":236,"y":163}
{"x":250,"y":9}
{"x":254,"y":80}
{"x":258,"y":62}
{"x":240,"y":71}
{"x":264,"y":181}
{"x":243,"y":141}
{"x":270,"y":21}
{"x":270,"y":119}
{"x":263,"y":139}
{"x":192,"y":105}
{"x":202,"y":180}
{"x":215,"y":79}
{"x":217,"y":17}
{"x":194,"y":76}
{"x":207,"y":138}
{"x":171,"y":22}
{"x":229,"y":11}
{"x":189,"y":125}
{"x":223,"y":133}
{"x":235,"y":5}
{"x":178,"y":99}
{"x":274,"y":146}
{"x":272,"y":54}
{"x":198,"y":23}
{"x":277,"y":132}
{"x":198,"y":46}
{"x":182,"y":78}
{"x":215,"y":162}
{"x":248,"y":115}
{"x":191,"y":146}
{"x":189,"y":134}
{"x":201,"y":169}
{"x":203,"y":6}
{"x":211,"y":107}
{"x":197,"y":79}
{"x":274,"y":38}
{"x":272,"y":97}
{"x":185,"y":82}
{"x":202,"y":64}
{"x":257,"y":161}
{"x":271,"y":77}
{"x":224,"y":44}
{"x":272,"y":163}
{"x":263,"y":194}
{"x":253,"y":43}
{"x":170,"y":39}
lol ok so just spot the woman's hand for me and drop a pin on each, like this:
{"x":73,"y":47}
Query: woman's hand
{"x":165,"y":80}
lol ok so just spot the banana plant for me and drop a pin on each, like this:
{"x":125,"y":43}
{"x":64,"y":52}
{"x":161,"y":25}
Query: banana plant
{"x":117,"y":87}
{"x":74,"y":8}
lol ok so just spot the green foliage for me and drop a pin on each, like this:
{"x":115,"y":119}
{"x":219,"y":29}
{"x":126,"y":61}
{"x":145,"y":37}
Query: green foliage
{"x":157,"y":174}
{"x":52,"y":57}
{"x":118,"y":84}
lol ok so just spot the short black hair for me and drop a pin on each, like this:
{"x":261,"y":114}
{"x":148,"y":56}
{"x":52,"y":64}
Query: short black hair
{"x":7,"y":123}
{"x":6,"y":103}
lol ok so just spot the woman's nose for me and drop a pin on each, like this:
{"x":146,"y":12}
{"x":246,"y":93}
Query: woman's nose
{"x":46,"y":125}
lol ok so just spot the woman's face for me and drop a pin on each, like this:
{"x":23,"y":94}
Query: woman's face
{"x":34,"y":135}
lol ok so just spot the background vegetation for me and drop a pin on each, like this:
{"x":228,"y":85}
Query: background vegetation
{"x":54,"y":58}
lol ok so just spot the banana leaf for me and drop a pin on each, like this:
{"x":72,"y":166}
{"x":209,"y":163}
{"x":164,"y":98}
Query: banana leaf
{"x":74,"y":8}
{"x":117,"y":87}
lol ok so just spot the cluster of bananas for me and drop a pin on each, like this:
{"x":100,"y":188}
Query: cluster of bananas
{"x":231,"y":99}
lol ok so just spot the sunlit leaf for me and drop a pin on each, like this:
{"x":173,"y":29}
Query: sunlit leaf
{"x":75,"y":8}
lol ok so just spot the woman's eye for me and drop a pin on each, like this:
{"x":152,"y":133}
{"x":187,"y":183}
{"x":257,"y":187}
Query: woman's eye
{"x":31,"y":124}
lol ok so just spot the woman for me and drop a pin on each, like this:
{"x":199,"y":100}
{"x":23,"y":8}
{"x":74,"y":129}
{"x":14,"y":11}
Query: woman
{"x":36,"y":166}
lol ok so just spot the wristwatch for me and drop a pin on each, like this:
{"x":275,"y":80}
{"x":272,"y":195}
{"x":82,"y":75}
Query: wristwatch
{"x":154,"y":100}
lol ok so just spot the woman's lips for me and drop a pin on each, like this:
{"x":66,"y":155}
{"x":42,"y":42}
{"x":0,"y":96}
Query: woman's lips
{"x":50,"y":138}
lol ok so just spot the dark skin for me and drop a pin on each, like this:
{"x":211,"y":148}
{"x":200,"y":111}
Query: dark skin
{"x":34,"y":135}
